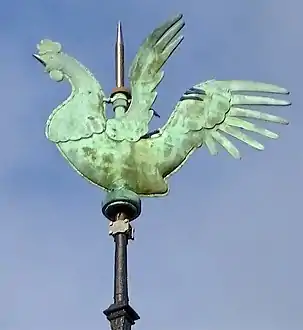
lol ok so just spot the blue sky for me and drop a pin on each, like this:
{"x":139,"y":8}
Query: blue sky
{"x":223,"y":250}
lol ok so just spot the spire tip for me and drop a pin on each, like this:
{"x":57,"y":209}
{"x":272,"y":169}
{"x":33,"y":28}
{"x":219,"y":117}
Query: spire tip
{"x":119,"y":33}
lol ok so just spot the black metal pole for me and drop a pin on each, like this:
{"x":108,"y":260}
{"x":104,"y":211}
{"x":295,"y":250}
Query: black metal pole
{"x":120,"y":314}
{"x":120,"y":282}
{"x":121,"y":207}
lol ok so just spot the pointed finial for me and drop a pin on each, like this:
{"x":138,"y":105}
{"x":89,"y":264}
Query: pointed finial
{"x":119,"y":57}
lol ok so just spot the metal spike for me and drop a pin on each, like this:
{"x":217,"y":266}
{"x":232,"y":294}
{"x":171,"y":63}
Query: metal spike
{"x":119,"y":57}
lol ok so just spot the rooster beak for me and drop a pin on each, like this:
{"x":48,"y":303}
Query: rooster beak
{"x":38,"y":58}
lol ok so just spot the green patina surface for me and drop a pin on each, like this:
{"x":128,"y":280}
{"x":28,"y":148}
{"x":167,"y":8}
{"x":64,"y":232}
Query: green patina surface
{"x":111,"y":153}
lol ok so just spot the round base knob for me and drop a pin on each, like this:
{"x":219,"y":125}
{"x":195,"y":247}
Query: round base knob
{"x":121,"y":201}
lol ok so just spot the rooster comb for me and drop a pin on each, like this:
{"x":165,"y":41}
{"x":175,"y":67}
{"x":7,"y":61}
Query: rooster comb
{"x":48,"y":46}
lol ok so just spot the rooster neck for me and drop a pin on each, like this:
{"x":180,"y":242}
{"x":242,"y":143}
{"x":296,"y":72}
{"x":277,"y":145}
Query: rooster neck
{"x":78,"y":75}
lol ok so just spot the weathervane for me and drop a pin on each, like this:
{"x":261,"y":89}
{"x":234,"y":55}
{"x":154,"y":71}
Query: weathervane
{"x":122,"y":156}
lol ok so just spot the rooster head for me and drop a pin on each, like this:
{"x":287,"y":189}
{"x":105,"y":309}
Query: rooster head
{"x":49,"y":56}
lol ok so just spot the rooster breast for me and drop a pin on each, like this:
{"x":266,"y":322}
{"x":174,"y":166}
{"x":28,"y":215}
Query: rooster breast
{"x":111,"y":164}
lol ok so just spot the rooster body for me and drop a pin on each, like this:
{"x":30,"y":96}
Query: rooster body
{"x":118,"y":152}
{"x":118,"y":164}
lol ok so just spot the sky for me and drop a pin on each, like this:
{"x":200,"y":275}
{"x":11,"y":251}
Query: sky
{"x":223,"y":250}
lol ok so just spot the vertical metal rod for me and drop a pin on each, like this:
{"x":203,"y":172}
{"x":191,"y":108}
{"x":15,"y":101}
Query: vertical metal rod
{"x":120,"y":314}
{"x":119,"y":56}
{"x":120,"y":281}
{"x":120,"y":95}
